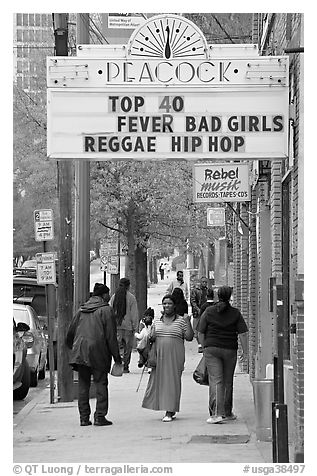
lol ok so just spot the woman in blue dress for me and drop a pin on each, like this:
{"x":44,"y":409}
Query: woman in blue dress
{"x":163,"y":391}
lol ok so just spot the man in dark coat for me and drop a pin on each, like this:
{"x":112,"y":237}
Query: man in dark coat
{"x":92,"y":338}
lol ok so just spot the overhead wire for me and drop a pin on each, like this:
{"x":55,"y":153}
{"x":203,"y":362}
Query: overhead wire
{"x":222,"y":28}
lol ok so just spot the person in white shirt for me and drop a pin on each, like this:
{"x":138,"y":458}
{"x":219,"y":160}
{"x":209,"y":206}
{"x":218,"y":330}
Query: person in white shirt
{"x":143,"y":337}
{"x":179,"y":283}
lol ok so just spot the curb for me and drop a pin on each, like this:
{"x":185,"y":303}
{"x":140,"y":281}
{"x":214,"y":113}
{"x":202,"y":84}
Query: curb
{"x":26,"y":410}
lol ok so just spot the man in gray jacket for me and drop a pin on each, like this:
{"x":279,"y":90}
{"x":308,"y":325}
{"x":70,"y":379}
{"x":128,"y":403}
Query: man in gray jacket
{"x":126,"y":314}
{"x":93,"y":342}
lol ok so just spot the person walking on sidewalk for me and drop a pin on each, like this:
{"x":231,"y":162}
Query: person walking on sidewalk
{"x":93,"y":342}
{"x":218,"y":331}
{"x":161,"y":271}
{"x":210,"y":302}
{"x":178,"y":283}
{"x":181,"y":306}
{"x":163,"y":391}
{"x":198,"y":297}
{"x":126,"y":313}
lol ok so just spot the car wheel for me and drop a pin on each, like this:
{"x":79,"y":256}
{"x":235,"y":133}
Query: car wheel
{"x":34,"y":377}
{"x":21,"y":392}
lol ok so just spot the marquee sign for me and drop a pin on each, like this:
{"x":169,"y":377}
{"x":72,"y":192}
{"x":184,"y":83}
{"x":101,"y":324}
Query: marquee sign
{"x":167,"y":95}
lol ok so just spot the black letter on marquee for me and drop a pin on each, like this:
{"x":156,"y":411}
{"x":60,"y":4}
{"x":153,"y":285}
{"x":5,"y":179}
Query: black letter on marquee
{"x":276,"y":122}
{"x":113,"y":100}
{"x":89,"y":144}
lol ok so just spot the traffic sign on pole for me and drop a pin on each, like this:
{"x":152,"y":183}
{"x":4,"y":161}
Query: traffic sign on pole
{"x":43,"y":225}
{"x":215,"y":216}
{"x":46,"y":271}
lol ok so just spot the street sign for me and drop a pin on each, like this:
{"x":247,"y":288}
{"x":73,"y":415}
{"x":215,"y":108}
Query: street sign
{"x":215,"y":217}
{"x":113,"y":264}
{"x":109,"y":255}
{"x":103,"y":263}
{"x":43,"y":225}
{"x":108,"y":247}
{"x":46,"y":270}
{"x":168,"y":95}
{"x":125,"y":20}
{"x":221,"y":182}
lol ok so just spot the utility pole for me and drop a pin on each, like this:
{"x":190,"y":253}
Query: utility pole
{"x":65,"y":285}
{"x":82,"y":202}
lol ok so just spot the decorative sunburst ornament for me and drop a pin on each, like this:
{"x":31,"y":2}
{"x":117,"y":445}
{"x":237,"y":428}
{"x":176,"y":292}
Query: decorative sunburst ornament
{"x":167,"y":37}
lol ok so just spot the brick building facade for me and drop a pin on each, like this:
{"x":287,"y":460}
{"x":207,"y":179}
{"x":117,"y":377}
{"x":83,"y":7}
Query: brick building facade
{"x":275,"y":237}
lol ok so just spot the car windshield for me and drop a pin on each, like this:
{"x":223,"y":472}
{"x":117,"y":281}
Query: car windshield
{"x":29,"y":264}
{"x":21,"y":315}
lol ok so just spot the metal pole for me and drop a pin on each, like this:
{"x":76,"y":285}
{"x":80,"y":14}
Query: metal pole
{"x":50,"y":307}
{"x":82,"y":203}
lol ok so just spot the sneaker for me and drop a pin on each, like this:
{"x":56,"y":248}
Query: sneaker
{"x":215,"y":419}
{"x":229,"y":417}
{"x":102,"y":421}
{"x":167,"y":418}
{"x":126,"y":370}
{"x":85,"y":422}
{"x":200,"y":349}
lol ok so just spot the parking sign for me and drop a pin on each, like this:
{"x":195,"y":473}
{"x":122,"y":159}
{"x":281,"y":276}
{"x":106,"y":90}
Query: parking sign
{"x":43,"y":225}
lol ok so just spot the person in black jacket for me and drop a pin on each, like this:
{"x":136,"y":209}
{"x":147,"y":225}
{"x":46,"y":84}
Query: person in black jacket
{"x":92,"y":338}
{"x":218,"y":331}
{"x":181,"y":306}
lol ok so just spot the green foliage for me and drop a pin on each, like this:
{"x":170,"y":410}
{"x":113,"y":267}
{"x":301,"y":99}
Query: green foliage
{"x":34,"y":176}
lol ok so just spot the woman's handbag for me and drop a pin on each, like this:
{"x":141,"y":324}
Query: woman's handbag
{"x":152,"y":351}
{"x":200,"y":374}
{"x":152,"y":357}
{"x":117,"y":370}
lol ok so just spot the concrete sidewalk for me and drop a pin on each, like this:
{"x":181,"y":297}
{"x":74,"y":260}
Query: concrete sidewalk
{"x":50,"y":433}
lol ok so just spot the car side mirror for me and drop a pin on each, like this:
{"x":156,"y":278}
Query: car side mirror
{"x":22,"y":327}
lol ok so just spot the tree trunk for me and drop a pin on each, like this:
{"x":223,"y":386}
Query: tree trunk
{"x":131,"y":249}
{"x":141,"y":278}
{"x":154,"y":261}
{"x":137,"y":263}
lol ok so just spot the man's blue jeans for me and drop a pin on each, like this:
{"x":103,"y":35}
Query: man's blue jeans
{"x":220,"y":364}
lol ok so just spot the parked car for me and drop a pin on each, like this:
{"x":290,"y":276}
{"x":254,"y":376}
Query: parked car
{"x":34,"y":339}
{"x":31,"y":263}
{"x":28,"y":268}
{"x":26,"y":290}
{"x":21,"y":369}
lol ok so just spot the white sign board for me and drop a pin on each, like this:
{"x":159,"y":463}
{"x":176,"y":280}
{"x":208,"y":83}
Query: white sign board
{"x":46,"y":270}
{"x":113,"y":265}
{"x":108,"y":247}
{"x":124,"y":20}
{"x":190,"y":124}
{"x":103,"y":263}
{"x":166,"y":95}
{"x":221,"y":182}
{"x":43,"y":225}
{"x":215,"y":216}
{"x":108,"y":251}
